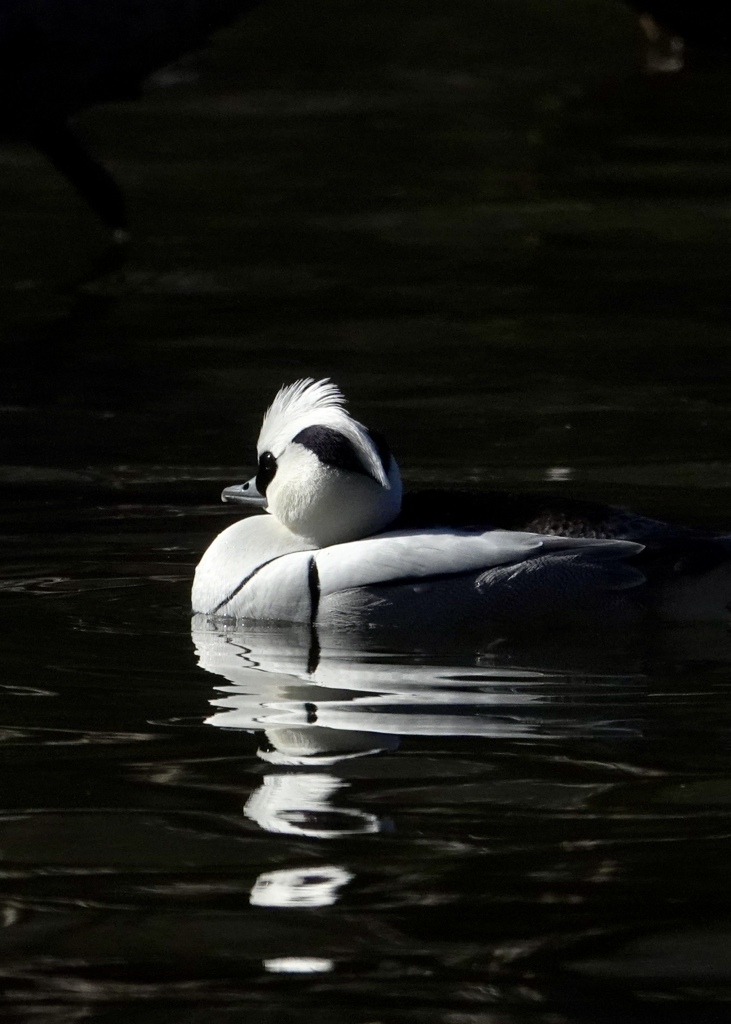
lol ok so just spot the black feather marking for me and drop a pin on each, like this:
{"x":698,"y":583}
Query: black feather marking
{"x":240,"y":586}
{"x":333,"y":449}
{"x":313,"y":655}
{"x":313,"y":583}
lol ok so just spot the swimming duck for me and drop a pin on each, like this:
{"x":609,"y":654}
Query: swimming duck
{"x":342,"y":544}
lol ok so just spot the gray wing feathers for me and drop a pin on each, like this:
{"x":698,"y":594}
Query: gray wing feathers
{"x":569,"y":582}
{"x":409,"y":554}
{"x":412,"y":555}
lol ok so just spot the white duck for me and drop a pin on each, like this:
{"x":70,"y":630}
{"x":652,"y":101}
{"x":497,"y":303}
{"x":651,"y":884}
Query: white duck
{"x":342,"y":545}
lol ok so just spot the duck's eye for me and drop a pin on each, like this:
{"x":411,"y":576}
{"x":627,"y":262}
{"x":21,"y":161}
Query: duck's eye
{"x":265,"y":472}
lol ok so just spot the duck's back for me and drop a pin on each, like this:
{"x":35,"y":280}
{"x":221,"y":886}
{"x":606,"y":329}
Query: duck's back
{"x":257,"y":570}
{"x":689,"y":567}
{"x":553,"y":515}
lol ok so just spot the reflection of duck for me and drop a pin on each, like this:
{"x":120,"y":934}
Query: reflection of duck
{"x":300,"y":887}
{"x":299,"y":805}
{"x":353,"y":702}
{"x":59,"y":56}
{"x":342,"y":546}
{"x":318,"y":719}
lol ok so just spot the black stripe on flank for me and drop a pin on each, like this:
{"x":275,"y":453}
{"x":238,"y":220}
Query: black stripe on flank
{"x":240,"y":586}
{"x":313,"y":659}
{"x":313,"y":583}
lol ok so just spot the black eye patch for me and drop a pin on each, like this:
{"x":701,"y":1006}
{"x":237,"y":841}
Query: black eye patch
{"x":265,"y":472}
{"x":332,"y":449}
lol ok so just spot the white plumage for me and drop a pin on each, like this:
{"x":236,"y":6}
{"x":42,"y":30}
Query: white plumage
{"x":325,"y":554}
{"x":316,"y":403}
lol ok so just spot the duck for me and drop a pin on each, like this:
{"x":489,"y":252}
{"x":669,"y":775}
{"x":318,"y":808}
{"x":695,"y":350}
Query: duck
{"x":334,"y":541}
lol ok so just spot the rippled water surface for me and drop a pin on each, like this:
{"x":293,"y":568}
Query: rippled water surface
{"x":511,"y":249}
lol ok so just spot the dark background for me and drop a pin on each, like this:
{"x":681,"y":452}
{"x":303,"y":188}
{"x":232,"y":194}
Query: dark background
{"x":510,"y":247}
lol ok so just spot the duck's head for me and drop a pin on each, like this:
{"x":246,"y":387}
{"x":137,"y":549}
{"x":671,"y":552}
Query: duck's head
{"x":322,"y":474}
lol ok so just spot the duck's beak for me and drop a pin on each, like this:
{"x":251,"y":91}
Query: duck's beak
{"x":244,"y":494}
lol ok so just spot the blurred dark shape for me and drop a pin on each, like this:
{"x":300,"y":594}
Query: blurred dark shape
{"x":665,"y":51}
{"x":700,"y":23}
{"x":60,"y":56}
{"x":674,"y":26}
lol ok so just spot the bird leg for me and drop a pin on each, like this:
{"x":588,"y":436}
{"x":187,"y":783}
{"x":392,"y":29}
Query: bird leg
{"x":90,"y":179}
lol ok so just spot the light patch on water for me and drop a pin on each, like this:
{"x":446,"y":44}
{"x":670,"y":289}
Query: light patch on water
{"x":299,"y":887}
{"x":559,"y":473}
{"x":299,"y":965}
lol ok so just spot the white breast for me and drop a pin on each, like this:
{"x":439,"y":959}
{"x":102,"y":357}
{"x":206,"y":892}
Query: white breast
{"x":226,"y":581}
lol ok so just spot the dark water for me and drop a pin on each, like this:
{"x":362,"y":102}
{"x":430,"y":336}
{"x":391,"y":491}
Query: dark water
{"x":511,"y":250}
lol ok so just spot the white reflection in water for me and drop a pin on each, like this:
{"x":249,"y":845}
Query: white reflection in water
{"x":316,"y":745}
{"x":298,"y":965}
{"x":320,"y":703}
{"x":299,"y":804}
{"x":299,"y":887}
{"x":559,"y":473}
{"x":345,"y":701}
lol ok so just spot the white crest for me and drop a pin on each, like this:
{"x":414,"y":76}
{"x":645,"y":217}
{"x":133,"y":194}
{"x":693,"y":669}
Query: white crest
{"x":309,"y":403}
